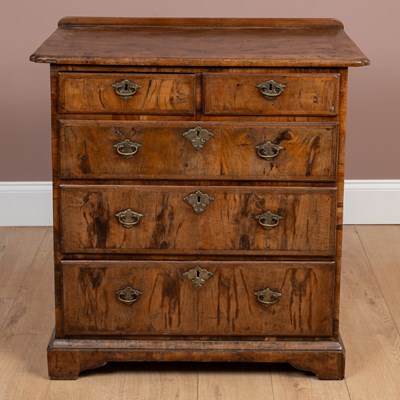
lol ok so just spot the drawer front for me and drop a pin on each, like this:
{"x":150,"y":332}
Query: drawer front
{"x":300,"y":94}
{"x":198,"y":150}
{"x":169,"y":298}
{"x":117,"y":93}
{"x":197,"y":220}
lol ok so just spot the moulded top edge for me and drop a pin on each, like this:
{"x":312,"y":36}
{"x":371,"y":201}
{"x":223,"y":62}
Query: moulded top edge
{"x":343,"y":63}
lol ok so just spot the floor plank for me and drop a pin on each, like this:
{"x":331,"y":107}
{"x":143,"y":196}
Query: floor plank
{"x":18,"y":247}
{"x":40,"y":276}
{"x":5,"y":307}
{"x":33,"y":303}
{"x":369,"y":332}
{"x":101,"y":385}
{"x":235,"y":383}
{"x":298,"y":385}
{"x":23,"y":367}
{"x":156,"y":382}
{"x":26,"y":329}
{"x":358,"y":278}
{"x":382,"y":247}
{"x":30,"y":313}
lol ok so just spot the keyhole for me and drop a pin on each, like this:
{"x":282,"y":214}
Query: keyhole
{"x":198,"y":199}
{"x":126,"y":86}
{"x":198,"y":134}
{"x":270,"y":86}
{"x":198,"y":273}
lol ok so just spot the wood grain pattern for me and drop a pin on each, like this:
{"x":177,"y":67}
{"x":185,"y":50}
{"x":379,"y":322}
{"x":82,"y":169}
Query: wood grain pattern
{"x":224,"y":305}
{"x":304,"y":94}
{"x":158,"y":94}
{"x":262,"y":42}
{"x":87,"y":151}
{"x":170,"y":225}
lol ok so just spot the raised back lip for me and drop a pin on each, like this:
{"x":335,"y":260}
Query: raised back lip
{"x":281,"y":23}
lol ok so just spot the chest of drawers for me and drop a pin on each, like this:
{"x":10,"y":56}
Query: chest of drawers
{"x":198,"y":190}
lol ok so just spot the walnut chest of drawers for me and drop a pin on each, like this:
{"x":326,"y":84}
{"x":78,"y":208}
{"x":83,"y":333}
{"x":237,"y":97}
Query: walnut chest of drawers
{"x":198,"y":190}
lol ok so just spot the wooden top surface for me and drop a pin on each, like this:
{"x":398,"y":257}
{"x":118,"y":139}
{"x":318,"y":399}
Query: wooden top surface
{"x":227,"y":42}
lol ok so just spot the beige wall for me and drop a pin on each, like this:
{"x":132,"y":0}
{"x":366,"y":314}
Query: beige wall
{"x":374,"y":91}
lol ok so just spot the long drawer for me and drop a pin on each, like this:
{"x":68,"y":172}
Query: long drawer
{"x":198,"y":150}
{"x":128,"y":93}
{"x":191,"y":298}
{"x":197,"y":219}
{"x":271,"y":94}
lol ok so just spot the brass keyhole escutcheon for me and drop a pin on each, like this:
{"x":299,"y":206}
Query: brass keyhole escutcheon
{"x":198,"y":276}
{"x":126,"y":89}
{"x":198,"y":136}
{"x":271,"y":89}
{"x":199,"y":201}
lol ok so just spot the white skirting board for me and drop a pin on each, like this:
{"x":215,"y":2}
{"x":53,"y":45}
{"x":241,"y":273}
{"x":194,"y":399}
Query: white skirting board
{"x":26,"y":204}
{"x":372,"y":201}
{"x":366,"y":202}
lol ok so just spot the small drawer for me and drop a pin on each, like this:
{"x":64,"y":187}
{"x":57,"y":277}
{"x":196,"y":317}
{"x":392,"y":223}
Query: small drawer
{"x":271,"y":94}
{"x":198,"y":150}
{"x":198,"y":298}
{"x":172,"y":94}
{"x":197,"y":220}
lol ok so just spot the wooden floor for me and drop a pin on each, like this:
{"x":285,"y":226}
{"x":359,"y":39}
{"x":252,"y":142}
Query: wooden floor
{"x":370,"y":322}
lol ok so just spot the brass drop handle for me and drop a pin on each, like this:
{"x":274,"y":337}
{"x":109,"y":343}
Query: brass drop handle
{"x":126,"y":89}
{"x":128,"y":218}
{"x":268,"y":220}
{"x":127,"y":148}
{"x":267,"y":297}
{"x":271,"y":89}
{"x":128,"y":295}
{"x":268,"y":150}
